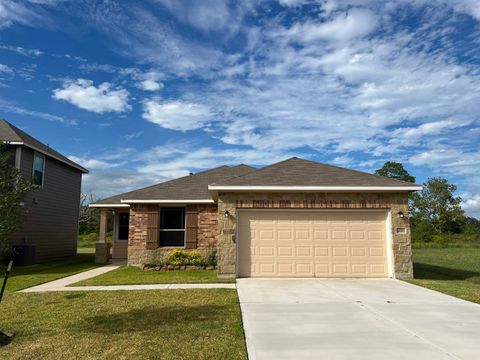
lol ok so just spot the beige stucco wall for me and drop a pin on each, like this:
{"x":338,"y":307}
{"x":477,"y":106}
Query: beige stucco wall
{"x":397,"y":202}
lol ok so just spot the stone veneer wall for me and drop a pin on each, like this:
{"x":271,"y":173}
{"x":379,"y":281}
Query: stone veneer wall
{"x":139,"y":251}
{"x":227,"y":251}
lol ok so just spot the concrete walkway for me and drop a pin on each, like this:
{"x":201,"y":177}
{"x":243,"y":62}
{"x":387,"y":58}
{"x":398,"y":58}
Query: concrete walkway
{"x":339,"y":319}
{"x":63,"y":284}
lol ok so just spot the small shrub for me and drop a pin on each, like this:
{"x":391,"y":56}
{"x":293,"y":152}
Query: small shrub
{"x":176,"y":257}
{"x":179,"y":257}
{"x":211,"y":258}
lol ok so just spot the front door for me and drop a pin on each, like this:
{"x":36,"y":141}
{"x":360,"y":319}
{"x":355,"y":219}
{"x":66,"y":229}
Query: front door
{"x":120,"y":244}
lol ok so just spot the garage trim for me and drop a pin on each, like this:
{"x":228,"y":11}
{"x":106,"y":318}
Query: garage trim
{"x":388,"y":225}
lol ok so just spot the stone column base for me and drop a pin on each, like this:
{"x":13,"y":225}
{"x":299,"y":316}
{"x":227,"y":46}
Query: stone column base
{"x":102,"y":253}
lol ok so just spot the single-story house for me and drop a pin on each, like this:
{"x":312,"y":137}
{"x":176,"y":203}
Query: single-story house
{"x":52,"y":208}
{"x":295,"y":218}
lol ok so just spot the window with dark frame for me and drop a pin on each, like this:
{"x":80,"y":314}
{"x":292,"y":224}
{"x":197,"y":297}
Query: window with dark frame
{"x":38,"y":169}
{"x":172,"y":226}
{"x":123,"y":221}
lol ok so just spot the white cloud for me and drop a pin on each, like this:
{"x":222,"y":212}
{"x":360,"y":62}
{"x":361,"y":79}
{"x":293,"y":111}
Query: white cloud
{"x":21,"y":50}
{"x":212,"y":15}
{"x":471,"y":205}
{"x":354,"y":24}
{"x":134,"y":135}
{"x":5,"y":69}
{"x":14,"y":109}
{"x":149,"y":81}
{"x":162,"y":163}
{"x":83,"y":94}
{"x":94,"y":164}
{"x":176,"y":115}
{"x":449,"y":161}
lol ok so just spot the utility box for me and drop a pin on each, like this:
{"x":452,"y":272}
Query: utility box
{"x":23,"y":255}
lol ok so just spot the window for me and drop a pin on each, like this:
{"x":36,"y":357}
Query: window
{"x":172,"y":227}
{"x":38,"y":169}
{"x":123,"y":219}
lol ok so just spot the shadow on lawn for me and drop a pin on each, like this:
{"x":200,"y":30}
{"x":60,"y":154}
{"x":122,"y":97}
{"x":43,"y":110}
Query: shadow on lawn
{"x":433,"y":272}
{"x":152,"y":317}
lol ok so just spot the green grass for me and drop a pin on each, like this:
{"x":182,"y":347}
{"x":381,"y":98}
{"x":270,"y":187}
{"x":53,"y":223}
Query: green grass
{"x":168,"y":324}
{"x":27,"y":276}
{"x":89,"y":240}
{"x":453,"y":271}
{"x":129,"y":275}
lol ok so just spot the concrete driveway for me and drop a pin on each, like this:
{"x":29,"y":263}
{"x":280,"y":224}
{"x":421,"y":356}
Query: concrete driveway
{"x":355,"y":319}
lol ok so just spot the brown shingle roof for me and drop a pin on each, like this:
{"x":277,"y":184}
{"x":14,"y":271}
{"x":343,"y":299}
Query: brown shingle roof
{"x":190,"y":187}
{"x":300,"y":172}
{"x":10,"y":133}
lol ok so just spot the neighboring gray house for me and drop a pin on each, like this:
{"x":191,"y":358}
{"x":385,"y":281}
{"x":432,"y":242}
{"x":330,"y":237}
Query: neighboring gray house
{"x":53,"y":207}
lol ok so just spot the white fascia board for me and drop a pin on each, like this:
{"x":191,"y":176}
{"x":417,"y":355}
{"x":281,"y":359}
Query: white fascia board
{"x":314,"y":188}
{"x":78,"y":167}
{"x":206,"y":201}
{"x":109,"y":205}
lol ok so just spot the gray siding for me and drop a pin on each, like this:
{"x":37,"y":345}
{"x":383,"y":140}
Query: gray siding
{"x":52,"y":211}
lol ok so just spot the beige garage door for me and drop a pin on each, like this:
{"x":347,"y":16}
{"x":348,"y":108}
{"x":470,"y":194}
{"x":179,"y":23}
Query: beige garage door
{"x":296,"y":243}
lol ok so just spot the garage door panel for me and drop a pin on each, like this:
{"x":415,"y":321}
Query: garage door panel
{"x":286,"y":269}
{"x":296,"y":243}
{"x":302,"y":234}
{"x":320,"y":234}
{"x":285,"y":234}
{"x":285,"y":251}
{"x":266,"y":250}
{"x":358,"y":252}
{"x":322,"y":251}
{"x":378,"y":269}
{"x":339,"y":251}
{"x":340,"y":269}
{"x":303,"y":251}
{"x":359,"y":269}
{"x":322,"y":269}
{"x":304,"y":269}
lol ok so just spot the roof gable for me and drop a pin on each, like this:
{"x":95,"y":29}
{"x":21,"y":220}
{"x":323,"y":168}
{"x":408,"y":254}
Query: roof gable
{"x":190,"y":187}
{"x":299,"y":172}
{"x":12,"y":134}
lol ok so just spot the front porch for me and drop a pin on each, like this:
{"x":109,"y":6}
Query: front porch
{"x":119,"y":225}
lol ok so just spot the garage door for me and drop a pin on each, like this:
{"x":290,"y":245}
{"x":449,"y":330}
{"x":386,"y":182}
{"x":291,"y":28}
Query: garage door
{"x":296,"y":243}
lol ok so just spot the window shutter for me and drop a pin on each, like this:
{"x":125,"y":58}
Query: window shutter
{"x":191,"y":229}
{"x":152,"y":229}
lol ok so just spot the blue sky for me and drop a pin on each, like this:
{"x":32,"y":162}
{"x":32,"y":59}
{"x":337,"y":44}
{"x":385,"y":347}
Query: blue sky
{"x":143,"y":91}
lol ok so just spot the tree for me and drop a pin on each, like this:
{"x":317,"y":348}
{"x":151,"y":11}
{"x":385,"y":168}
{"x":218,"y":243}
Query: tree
{"x":438,"y":205}
{"x":13,"y":189}
{"x":395,"y":170}
{"x":89,"y":221}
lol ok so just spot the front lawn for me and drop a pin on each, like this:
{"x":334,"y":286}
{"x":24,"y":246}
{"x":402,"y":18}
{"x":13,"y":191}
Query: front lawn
{"x":129,"y":275}
{"x":27,"y":276}
{"x":453,"y":271}
{"x":168,"y":324}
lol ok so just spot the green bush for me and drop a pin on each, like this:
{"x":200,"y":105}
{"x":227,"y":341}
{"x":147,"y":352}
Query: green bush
{"x":423,"y":232}
{"x":184,"y":257}
{"x":211,"y":258}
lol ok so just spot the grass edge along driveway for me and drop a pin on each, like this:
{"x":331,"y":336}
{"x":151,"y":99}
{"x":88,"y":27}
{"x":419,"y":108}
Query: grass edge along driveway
{"x":164,"y":324}
{"x":454,"y":271}
{"x":131,"y":275}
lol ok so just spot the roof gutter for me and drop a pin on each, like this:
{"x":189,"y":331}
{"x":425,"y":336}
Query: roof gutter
{"x":314,"y":188}
{"x":108,"y":205}
{"x":163,"y":201}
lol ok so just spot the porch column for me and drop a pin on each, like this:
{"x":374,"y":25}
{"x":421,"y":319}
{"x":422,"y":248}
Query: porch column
{"x":102,"y":248}
{"x":103,"y":226}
